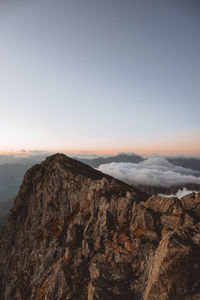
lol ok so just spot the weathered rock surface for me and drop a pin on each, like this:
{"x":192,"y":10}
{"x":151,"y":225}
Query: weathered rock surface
{"x":76,"y":233}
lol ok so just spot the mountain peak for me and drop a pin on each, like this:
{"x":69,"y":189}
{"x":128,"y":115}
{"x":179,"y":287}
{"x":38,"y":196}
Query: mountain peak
{"x":76,"y":233}
{"x":72,"y":165}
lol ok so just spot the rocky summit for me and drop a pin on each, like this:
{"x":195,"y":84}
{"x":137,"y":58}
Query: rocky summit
{"x":76,"y":233}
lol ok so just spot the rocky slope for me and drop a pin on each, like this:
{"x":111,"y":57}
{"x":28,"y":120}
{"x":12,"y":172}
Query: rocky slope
{"x":76,"y":233}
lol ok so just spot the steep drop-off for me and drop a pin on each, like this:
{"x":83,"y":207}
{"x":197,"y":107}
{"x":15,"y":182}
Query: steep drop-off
{"x":76,"y":233}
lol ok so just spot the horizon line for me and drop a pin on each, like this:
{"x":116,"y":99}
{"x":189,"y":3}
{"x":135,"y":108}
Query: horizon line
{"x":111,"y":151}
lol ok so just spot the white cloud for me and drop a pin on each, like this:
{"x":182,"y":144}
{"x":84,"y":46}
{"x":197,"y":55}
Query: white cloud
{"x":155,"y":171}
{"x":180,"y":193}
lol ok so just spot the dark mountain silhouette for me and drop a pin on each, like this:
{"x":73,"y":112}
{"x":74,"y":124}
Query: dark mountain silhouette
{"x":191,"y":163}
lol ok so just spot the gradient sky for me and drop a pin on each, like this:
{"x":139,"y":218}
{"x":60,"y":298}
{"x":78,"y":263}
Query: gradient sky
{"x":100,"y":75}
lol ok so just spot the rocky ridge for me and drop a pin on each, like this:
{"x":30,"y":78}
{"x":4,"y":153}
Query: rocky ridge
{"x":76,"y":233}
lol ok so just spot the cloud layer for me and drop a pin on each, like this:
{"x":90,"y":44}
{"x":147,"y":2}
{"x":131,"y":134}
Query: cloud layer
{"x":180,"y":193}
{"x":155,"y":171}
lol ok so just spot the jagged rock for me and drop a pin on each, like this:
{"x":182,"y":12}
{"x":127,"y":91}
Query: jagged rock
{"x":168,"y":211}
{"x":76,"y":233}
{"x":191,"y":203}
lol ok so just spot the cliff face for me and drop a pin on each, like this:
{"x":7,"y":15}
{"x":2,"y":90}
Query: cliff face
{"x":76,"y":233}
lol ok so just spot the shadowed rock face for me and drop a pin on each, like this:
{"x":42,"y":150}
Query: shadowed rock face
{"x":76,"y":233}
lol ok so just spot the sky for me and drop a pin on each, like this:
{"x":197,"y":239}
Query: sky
{"x":100,"y":76}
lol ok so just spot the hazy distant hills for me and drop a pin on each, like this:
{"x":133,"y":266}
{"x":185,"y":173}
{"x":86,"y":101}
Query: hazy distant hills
{"x":10,"y":179}
{"x":5,"y":206}
{"x":192,"y":163}
{"x":11,"y":176}
{"x":186,"y":162}
{"x":96,"y":162}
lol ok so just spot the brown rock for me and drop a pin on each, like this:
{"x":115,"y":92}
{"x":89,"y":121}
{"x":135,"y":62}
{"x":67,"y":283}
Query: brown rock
{"x":191,"y":203}
{"x":169,"y":211}
{"x":76,"y":233}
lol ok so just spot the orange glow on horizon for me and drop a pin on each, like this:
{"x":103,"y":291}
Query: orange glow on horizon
{"x":184,"y":148}
{"x":162,"y":150}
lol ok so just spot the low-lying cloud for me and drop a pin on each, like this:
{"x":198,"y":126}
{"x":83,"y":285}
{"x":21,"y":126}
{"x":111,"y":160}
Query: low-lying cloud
{"x":154,"y":171}
{"x":179,"y":194}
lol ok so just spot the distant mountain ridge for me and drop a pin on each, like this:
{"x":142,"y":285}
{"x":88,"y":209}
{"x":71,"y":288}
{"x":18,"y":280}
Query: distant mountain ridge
{"x":192,"y":163}
{"x":96,"y":162}
{"x":186,"y":162}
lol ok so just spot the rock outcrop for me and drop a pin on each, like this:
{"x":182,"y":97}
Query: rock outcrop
{"x":76,"y":233}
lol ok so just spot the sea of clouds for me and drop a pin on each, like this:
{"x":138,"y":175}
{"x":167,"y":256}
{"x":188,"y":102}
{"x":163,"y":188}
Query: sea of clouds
{"x":154,"y":171}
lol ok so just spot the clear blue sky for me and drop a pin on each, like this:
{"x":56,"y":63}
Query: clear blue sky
{"x":101,"y":75}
